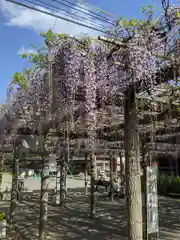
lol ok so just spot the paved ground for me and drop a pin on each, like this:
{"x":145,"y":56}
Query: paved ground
{"x":34,"y":184}
{"x":73,"y":222}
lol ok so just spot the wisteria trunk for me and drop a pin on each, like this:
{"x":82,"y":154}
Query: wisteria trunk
{"x":57,"y":189}
{"x":63,"y":171}
{"x":115,"y":165}
{"x":133,"y":173}
{"x":93,"y":178}
{"x":44,"y":192}
{"x":177,"y":167}
{"x":86,"y":174}
{"x":111,"y":175}
{"x":15,"y":173}
{"x":1,"y":169}
{"x":144,"y":190}
{"x":64,"y":164}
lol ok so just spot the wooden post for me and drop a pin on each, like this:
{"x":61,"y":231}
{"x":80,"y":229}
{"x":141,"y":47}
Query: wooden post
{"x":121,"y":166}
{"x":64,"y":163}
{"x":93,"y":193}
{"x":86,"y":174}
{"x":63,"y":183}
{"x":115,"y":165}
{"x":133,"y":171}
{"x":111,"y":175}
{"x":58,"y":175}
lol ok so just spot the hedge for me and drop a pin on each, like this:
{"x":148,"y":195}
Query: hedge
{"x":168,"y":184}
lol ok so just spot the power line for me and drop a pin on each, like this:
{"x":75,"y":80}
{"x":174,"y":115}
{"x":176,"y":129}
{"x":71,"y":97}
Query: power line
{"x":39,"y":3}
{"x":54,"y":8}
{"x":57,"y":16}
{"x":75,"y":15}
{"x":83,"y":10}
{"x":98,"y":9}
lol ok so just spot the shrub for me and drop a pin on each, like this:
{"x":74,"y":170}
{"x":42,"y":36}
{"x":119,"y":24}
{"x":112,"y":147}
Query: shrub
{"x":167,"y":184}
{"x":2,"y":216}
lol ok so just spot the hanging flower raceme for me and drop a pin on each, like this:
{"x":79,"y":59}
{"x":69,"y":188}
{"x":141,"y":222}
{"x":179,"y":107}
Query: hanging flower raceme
{"x":66,"y":74}
{"x":90,"y":94}
{"x":141,"y":61}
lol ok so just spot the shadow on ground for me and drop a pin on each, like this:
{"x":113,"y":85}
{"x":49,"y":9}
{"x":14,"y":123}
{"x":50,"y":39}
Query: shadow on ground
{"x":74,"y":222}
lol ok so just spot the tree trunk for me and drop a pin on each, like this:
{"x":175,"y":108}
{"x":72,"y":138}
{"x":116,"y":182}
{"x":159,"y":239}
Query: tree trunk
{"x":64,"y":163}
{"x":93,"y":193}
{"x":58,"y":174}
{"x":133,"y":171}
{"x":15,"y":174}
{"x":63,"y":183}
{"x":44,"y":192}
{"x":111,"y":175}
{"x":1,"y":170}
{"x":144,"y":189}
{"x":177,"y":167}
{"x":57,"y":189}
{"x":171,"y":167}
{"x":121,"y":166}
{"x":115,"y":165}
{"x":86,"y":174}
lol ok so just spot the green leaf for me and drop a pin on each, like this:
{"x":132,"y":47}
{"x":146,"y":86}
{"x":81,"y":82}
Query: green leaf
{"x":178,"y":15}
{"x":62,"y":35}
{"x":43,"y":34}
{"x":23,"y":55}
{"x":50,"y":35}
{"x":19,"y":80}
{"x":133,"y":22}
{"x":155,"y":21}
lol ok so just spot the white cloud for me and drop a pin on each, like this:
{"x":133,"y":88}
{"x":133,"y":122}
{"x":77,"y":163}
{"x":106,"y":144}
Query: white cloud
{"x":26,"y":50}
{"x":25,"y":18}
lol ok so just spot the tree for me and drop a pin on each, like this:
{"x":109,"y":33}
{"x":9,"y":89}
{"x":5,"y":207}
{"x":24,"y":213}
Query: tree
{"x":15,"y":174}
{"x":1,"y":167}
{"x":44,"y":187}
{"x":133,"y":171}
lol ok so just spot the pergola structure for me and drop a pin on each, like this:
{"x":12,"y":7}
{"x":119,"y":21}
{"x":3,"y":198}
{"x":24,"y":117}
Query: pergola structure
{"x":65,"y":131}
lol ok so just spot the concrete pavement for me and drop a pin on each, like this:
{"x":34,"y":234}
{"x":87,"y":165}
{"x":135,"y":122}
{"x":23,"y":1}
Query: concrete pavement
{"x":35,"y":184}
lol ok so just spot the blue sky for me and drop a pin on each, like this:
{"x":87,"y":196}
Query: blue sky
{"x":20,"y":27}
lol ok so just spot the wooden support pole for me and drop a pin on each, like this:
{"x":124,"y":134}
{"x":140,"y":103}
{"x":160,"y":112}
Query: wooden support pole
{"x":115,"y":165}
{"x":64,"y":163}
{"x":86,"y":174}
{"x":93,"y":193}
{"x":111,"y":175}
{"x":121,"y":166}
{"x":126,"y":45}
